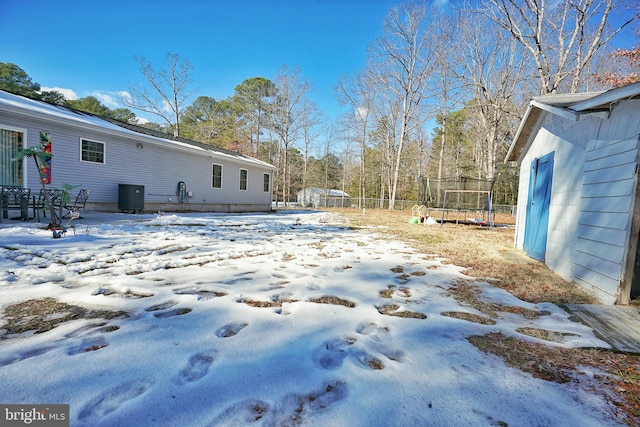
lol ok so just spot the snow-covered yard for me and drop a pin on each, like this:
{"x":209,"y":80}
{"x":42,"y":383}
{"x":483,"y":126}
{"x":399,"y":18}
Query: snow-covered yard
{"x":266,"y":319}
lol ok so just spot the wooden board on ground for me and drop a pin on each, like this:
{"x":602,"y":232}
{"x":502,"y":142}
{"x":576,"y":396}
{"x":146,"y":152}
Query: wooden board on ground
{"x":618,"y":325}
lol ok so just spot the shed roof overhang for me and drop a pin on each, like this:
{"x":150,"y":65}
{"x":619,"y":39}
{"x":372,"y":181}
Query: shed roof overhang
{"x":572,"y":107}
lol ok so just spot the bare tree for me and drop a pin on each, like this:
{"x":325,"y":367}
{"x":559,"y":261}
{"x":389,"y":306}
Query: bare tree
{"x":309,"y":120}
{"x":168,"y":92}
{"x":359,"y":93}
{"x":494,"y":68}
{"x":563,"y":37}
{"x":404,"y":60}
{"x":447,"y":89}
{"x":287,"y":115}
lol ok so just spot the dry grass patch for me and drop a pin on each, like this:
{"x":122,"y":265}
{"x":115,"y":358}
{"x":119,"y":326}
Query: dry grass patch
{"x":469,"y":317}
{"x":488,"y":254}
{"x":403,"y":292}
{"x":333,"y":301}
{"x":545,"y":334}
{"x":621,"y":372}
{"x":126,"y":294}
{"x":467,"y":294}
{"x":274,"y":303}
{"x":394,"y":310}
{"x":42,"y":315}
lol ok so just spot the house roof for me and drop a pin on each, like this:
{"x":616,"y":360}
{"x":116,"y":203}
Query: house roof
{"x":570,"y":106}
{"x":43,"y":110}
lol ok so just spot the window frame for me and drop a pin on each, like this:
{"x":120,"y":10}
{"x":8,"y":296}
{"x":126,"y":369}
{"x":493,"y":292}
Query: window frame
{"x":94,"y":162}
{"x":244,"y":181}
{"x":213,"y":176}
{"x":266,"y":182}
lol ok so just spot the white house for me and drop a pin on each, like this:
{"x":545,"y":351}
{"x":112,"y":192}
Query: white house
{"x":578,"y":207}
{"x":109,"y":158}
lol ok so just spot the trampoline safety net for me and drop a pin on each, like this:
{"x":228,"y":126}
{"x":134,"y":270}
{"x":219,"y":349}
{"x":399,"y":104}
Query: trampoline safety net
{"x":463,"y":193}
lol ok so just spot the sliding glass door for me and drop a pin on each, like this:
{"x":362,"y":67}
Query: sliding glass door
{"x":11,"y":141}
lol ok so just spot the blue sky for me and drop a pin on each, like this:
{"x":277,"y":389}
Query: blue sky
{"x":89,"y":46}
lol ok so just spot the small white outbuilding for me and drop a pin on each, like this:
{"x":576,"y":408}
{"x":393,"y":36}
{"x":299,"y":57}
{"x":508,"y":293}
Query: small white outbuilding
{"x":578,"y":207}
{"x":323,"y":198}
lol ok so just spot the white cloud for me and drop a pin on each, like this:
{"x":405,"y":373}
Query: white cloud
{"x":125,"y":96}
{"x":109,"y":99}
{"x":68,"y":93}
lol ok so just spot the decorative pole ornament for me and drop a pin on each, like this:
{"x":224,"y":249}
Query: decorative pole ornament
{"x":45,"y":166}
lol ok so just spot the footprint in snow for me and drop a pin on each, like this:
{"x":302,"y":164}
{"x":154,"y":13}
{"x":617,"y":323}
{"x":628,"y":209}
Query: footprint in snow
{"x":38,"y":351}
{"x":295,"y":409}
{"x":230,"y":329}
{"x":172,"y":313}
{"x":111,"y":400}
{"x":237,"y":280}
{"x":87,"y":345}
{"x":161,"y":306}
{"x":377,"y":332}
{"x":379,"y":335}
{"x":83,"y":329}
{"x":333,"y":352}
{"x":197,"y":367}
{"x":242,"y":413}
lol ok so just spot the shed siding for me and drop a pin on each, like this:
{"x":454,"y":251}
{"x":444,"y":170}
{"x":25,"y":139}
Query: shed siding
{"x":159,"y":166}
{"x":593,"y":195}
{"x":565,"y":201}
{"x":602,"y":247}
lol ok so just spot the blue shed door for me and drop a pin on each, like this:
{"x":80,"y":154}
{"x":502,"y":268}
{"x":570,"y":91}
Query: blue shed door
{"x":537,"y":221}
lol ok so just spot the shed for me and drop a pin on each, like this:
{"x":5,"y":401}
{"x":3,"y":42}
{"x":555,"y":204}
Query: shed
{"x":317,"y":197}
{"x":106,"y":156}
{"x":578,"y":208}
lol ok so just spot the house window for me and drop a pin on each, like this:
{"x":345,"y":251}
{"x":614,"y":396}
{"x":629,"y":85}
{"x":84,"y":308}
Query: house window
{"x":216,"y":176}
{"x":92,"y":151}
{"x":265,"y":182}
{"x":243,"y":179}
{"x":11,"y":141}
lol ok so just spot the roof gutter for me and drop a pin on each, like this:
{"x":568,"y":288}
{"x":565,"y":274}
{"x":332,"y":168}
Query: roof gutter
{"x":610,"y":97}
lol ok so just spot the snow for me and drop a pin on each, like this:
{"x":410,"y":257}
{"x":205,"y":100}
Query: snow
{"x":185,"y":356}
